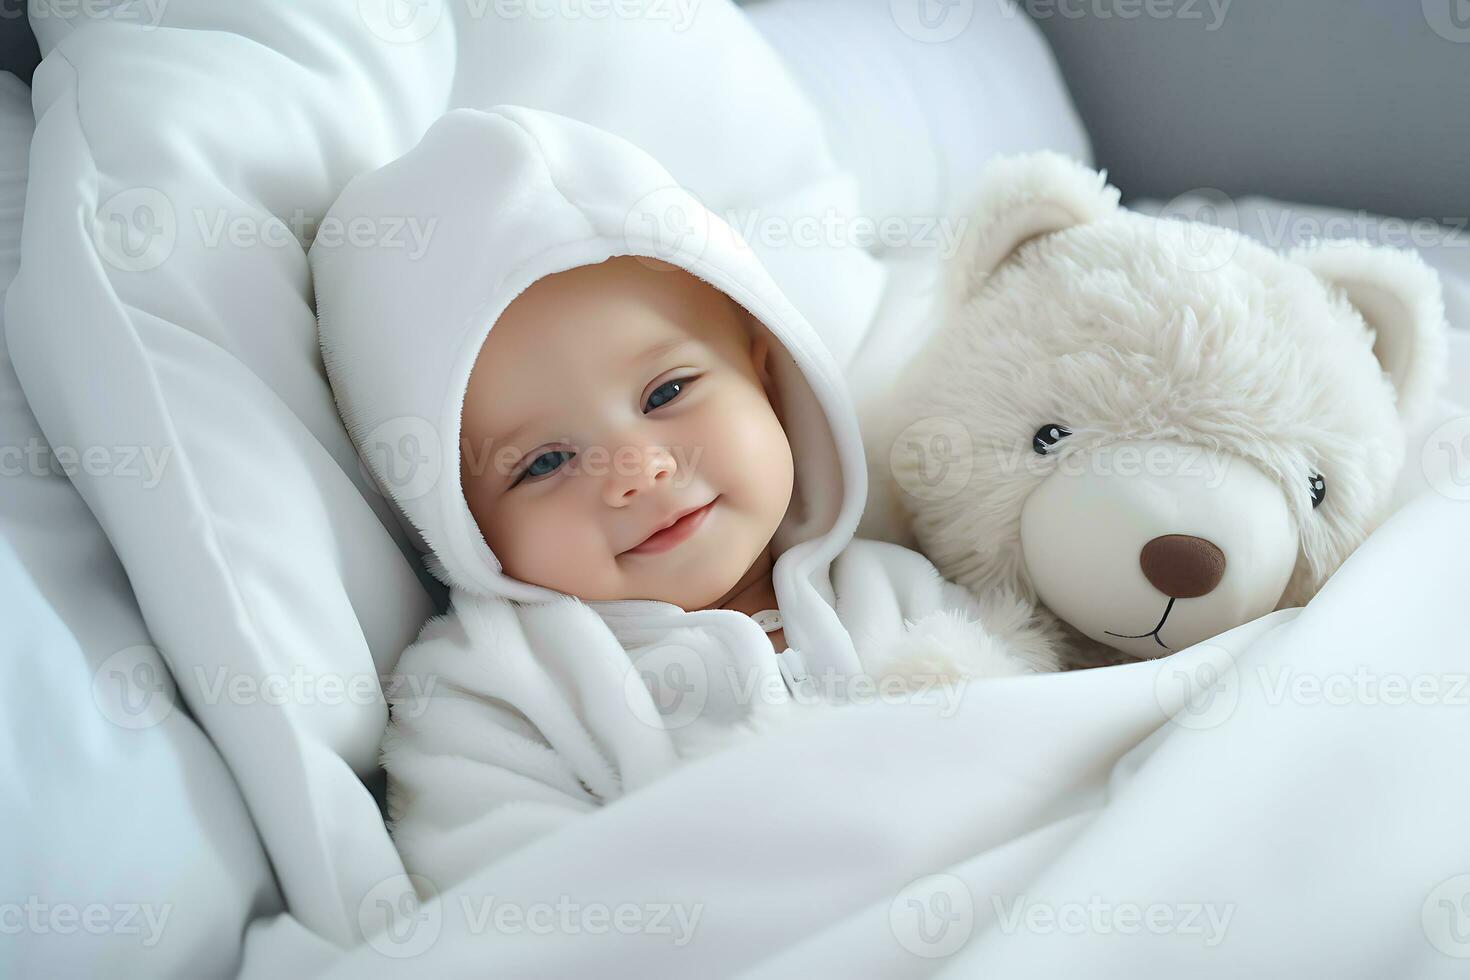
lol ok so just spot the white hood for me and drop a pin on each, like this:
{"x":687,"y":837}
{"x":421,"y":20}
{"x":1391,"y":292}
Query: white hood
{"x":502,"y":198}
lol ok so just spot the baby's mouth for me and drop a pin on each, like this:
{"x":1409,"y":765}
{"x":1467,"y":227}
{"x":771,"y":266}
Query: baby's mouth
{"x":676,"y":533}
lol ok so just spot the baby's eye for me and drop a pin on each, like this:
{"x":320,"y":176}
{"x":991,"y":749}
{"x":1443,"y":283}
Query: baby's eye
{"x":677,"y":386}
{"x":543,"y":465}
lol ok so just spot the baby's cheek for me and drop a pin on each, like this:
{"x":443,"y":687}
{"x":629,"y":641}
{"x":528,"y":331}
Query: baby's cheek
{"x":744,"y":442}
{"x":551,"y":543}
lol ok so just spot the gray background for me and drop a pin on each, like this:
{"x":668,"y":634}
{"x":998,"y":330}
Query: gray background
{"x":18,"y":52}
{"x":1353,"y":103}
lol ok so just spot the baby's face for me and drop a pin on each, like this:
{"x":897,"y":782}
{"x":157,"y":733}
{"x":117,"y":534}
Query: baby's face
{"x":607,"y":400}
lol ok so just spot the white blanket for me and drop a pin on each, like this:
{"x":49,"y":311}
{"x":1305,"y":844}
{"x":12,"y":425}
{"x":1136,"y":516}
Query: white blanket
{"x":1301,"y":814}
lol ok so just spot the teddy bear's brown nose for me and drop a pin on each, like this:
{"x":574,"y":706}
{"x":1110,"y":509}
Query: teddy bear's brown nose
{"x":1182,"y":566}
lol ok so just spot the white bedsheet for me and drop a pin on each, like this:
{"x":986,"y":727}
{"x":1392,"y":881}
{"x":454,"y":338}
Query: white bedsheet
{"x":1302,"y":814}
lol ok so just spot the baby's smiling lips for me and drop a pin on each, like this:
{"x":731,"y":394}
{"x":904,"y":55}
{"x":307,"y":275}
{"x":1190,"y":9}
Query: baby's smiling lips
{"x":673,"y":531}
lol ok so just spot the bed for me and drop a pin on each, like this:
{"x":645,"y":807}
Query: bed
{"x":1283,"y":799}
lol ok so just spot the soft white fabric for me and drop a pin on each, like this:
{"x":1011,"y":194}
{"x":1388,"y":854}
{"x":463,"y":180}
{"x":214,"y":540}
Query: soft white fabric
{"x":185,"y":154}
{"x":543,"y":712}
{"x":1300,"y":815}
{"x":111,"y":797}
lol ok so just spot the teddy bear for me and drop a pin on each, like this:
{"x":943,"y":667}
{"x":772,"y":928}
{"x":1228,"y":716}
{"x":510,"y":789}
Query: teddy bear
{"x":1153,"y":430}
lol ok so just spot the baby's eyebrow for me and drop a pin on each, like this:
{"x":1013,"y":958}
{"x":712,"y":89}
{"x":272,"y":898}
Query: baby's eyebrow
{"x":510,"y":440}
{"x":662,"y":348}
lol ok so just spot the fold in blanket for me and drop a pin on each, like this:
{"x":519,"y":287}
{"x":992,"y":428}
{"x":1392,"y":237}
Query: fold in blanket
{"x":523,"y":706}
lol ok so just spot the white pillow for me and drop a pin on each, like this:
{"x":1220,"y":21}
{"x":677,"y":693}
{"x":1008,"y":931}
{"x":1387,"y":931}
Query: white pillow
{"x":115,"y":805}
{"x":164,"y":303}
{"x":917,"y":95}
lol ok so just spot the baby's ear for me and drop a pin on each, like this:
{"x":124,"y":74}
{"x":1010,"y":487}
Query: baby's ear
{"x":1022,"y":197}
{"x":1401,"y":301}
{"x":763,"y":360}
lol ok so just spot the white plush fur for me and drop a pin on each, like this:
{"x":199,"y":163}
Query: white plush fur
{"x":1401,"y":300}
{"x":999,"y":637}
{"x":1021,"y":198}
{"x":1111,"y":323}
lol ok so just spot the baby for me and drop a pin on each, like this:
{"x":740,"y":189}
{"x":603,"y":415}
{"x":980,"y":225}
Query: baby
{"x":636,"y":467}
{"x":690,"y":520}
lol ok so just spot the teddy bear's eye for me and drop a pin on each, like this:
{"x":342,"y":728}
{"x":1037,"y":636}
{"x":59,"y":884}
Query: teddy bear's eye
{"x":1318,"y":488}
{"x":1047,"y":436}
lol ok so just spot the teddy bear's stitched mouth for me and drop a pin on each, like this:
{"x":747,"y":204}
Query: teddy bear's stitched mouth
{"x":1151,"y":633}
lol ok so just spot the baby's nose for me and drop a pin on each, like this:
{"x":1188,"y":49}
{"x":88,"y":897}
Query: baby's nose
{"x":634,"y":472}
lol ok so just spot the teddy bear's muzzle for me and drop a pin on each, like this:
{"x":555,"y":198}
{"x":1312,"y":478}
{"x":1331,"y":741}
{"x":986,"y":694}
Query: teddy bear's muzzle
{"x":1151,"y":546}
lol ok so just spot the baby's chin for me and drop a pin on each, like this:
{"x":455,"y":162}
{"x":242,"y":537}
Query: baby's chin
{"x":698,"y":580}
{"x":688,"y":588}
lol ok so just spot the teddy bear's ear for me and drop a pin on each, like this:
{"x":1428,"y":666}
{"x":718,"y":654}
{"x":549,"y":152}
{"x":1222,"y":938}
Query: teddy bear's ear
{"x":1402,"y":302}
{"x":1022,"y":197}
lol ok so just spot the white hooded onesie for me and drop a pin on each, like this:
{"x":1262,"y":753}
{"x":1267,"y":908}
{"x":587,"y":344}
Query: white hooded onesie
{"x":521,"y":707}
